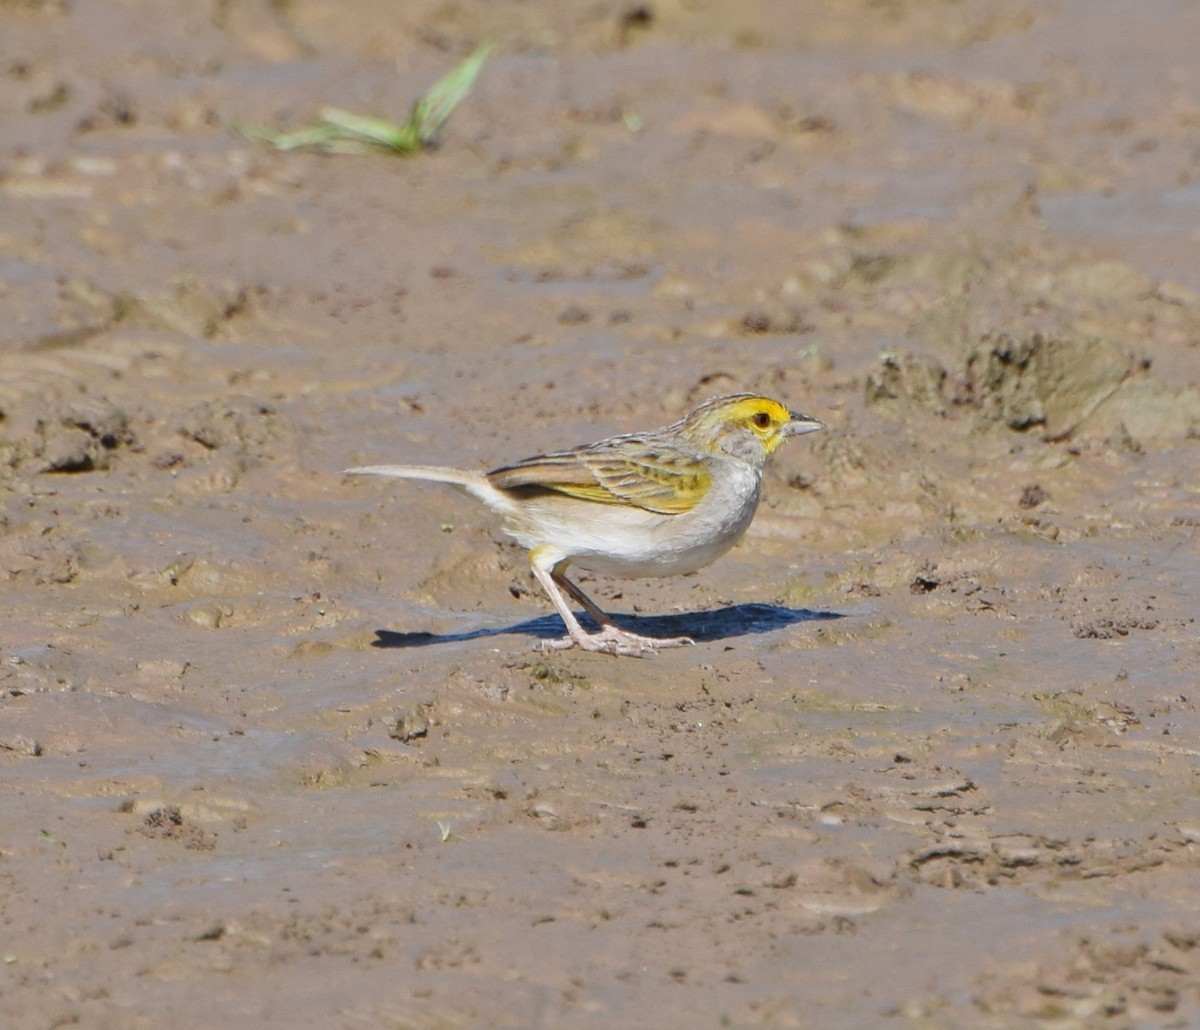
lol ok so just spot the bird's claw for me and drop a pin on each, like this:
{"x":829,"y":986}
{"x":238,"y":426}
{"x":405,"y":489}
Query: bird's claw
{"x":615,"y":641}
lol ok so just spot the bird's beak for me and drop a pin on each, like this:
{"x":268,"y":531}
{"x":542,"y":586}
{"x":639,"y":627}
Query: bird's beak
{"x":799,"y":424}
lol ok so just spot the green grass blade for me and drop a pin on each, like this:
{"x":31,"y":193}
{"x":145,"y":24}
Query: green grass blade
{"x":346,"y":132}
{"x":366,"y":129}
{"x":432,"y":110}
{"x":309,"y":136}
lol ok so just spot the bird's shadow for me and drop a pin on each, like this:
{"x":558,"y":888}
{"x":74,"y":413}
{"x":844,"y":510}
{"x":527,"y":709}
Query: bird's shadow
{"x":735,"y":620}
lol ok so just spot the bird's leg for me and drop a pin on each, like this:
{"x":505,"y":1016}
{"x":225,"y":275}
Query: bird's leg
{"x":576,"y":634}
{"x":599,"y":616}
{"x":626,"y":641}
{"x":611,"y":639}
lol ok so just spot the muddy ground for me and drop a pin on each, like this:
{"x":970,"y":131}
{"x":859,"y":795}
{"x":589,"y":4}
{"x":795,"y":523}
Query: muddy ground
{"x":276,"y":746}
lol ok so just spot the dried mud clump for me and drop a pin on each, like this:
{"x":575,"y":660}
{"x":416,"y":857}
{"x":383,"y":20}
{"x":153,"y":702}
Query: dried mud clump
{"x":1105,"y":978}
{"x":1108,"y":628}
{"x":411,"y":724}
{"x":42,"y":560}
{"x":1032,"y":496}
{"x":1058,"y":387}
{"x":79,"y":436}
{"x":191,"y":307}
{"x":1037,"y":381}
{"x":239,"y":423}
{"x":167,"y":823}
{"x":914,"y":378}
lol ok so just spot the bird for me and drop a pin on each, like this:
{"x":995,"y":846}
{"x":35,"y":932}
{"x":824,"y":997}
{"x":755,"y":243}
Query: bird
{"x":660,"y":503}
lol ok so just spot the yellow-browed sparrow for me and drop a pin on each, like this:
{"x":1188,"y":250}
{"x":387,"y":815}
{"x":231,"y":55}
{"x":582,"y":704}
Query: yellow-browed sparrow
{"x":660,"y":503}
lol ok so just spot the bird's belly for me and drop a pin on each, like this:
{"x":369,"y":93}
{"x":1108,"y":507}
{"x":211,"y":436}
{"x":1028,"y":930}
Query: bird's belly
{"x":681,"y":558}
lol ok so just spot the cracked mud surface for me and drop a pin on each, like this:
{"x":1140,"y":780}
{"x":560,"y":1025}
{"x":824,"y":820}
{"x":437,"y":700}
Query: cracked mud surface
{"x":277,"y":747}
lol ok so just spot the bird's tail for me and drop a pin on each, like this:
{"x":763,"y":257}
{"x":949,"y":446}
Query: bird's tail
{"x":474,"y":483}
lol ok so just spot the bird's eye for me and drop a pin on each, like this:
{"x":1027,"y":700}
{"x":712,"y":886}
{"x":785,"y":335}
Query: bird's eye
{"x":761,"y":420}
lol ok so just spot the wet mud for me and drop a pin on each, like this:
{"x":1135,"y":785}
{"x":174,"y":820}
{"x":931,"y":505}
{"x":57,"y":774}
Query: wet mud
{"x":278,"y":747}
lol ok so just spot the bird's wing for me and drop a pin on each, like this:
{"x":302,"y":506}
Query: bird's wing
{"x":646,"y":473}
